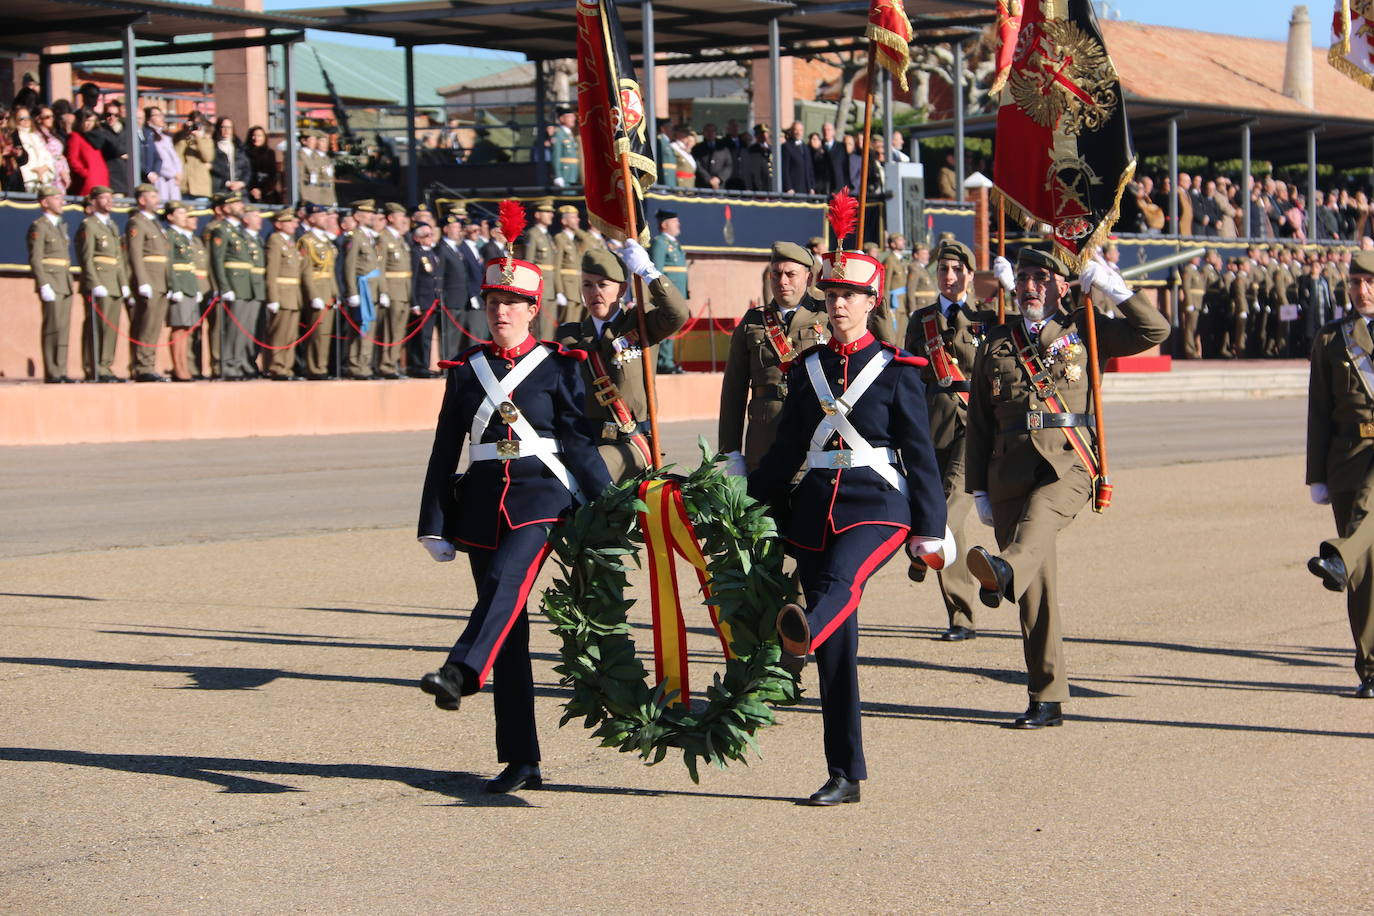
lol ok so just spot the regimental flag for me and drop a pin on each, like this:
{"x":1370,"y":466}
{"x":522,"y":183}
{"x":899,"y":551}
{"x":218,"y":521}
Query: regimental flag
{"x":1063,"y":147}
{"x":890,"y":33}
{"x":1352,"y":51}
{"x":1008,"y":26}
{"x":611,"y":114}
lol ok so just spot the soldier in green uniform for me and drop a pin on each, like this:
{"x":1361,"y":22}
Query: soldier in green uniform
{"x":283,"y":280}
{"x":609,"y":335}
{"x":1216,"y":304}
{"x":539,"y":250}
{"x":212,"y":330}
{"x":1031,"y":463}
{"x":50,"y":259}
{"x":948,"y":332}
{"x":763,"y":346}
{"x":570,"y":243}
{"x":397,"y":276}
{"x":671,"y":261}
{"x":320,"y":288}
{"x":184,"y":291}
{"x":105,"y":280}
{"x":1238,"y":292}
{"x":149,"y":255}
{"x":663,"y":152}
{"x":1284,"y":293}
{"x":1257,"y":298}
{"x":920,"y":289}
{"x":567,"y":159}
{"x":309,"y":166}
{"x":231,"y":267}
{"x":257,"y":253}
{"x":362,"y":287}
{"x":1340,"y":459}
{"x":1193,"y":286}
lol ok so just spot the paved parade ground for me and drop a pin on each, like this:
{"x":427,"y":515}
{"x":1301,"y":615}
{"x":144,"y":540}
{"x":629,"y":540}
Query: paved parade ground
{"x":210,"y":653}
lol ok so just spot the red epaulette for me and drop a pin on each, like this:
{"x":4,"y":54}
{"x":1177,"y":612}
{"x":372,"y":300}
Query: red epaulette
{"x":903,"y":357}
{"x":462,"y":358}
{"x":560,"y":350}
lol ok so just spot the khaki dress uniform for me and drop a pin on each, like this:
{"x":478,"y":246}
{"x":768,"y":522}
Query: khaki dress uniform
{"x":285,"y":264}
{"x":50,"y":259}
{"x":621,"y":352}
{"x":309,"y":165}
{"x":1257,"y":289}
{"x":539,"y":250}
{"x":1194,"y":288}
{"x":1233,"y":345}
{"x":361,"y":257}
{"x":231,"y":267}
{"x":962,"y":330}
{"x":569,"y":247}
{"x":397,"y":278}
{"x":184,"y":312}
{"x":318,"y":255}
{"x":149,"y":255}
{"x":102,"y":264}
{"x":257,"y":255}
{"x":755,"y":380}
{"x":1035,"y":480}
{"x":1335,"y":279}
{"x":920,"y":290}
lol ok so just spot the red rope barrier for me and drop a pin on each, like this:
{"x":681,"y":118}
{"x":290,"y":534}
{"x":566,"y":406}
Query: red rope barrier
{"x":466,"y":333}
{"x":140,"y":343}
{"x":268,"y":346}
{"x":416,"y":330}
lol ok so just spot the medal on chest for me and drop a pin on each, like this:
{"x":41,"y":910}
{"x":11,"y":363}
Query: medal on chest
{"x":819,"y":330}
{"x":626,"y":350}
{"x":1065,"y":352}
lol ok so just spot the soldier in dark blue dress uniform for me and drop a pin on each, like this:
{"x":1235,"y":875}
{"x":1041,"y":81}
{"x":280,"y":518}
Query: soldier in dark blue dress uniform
{"x":519,"y":403}
{"x":855,"y":421}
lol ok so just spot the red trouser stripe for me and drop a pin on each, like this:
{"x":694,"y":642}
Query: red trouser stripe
{"x":517,"y":606}
{"x":856,"y":588}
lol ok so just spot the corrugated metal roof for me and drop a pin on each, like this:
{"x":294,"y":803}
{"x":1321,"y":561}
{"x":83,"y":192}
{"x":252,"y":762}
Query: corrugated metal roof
{"x":523,"y":75}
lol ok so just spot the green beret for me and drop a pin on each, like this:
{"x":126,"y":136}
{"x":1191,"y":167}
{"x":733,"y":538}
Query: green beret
{"x":1362,"y":263}
{"x":953,"y":248}
{"x":602,"y":263}
{"x":1034,"y":257}
{"x":791,"y":251}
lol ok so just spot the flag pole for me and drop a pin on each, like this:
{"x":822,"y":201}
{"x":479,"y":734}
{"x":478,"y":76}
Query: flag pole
{"x":650,"y":398}
{"x":1102,"y":486}
{"x":1001,"y":253}
{"x":868,"y":143}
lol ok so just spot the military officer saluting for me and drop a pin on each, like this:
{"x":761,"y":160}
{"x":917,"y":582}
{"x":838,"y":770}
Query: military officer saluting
{"x":567,"y":159}
{"x":609,"y":335}
{"x":1340,"y":459}
{"x":518,"y":403}
{"x":320,"y":288}
{"x":570,"y":243}
{"x":1031,"y":460}
{"x":394,"y":314}
{"x":671,"y":261}
{"x":284,"y":268}
{"x":855,"y":424}
{"x":763,"y":347}
{"x":105,"y":279}
{"x":539,"y":250}
{"x":50,"y":259}
{"x":150,"y":256}
{"x":947,"y":332}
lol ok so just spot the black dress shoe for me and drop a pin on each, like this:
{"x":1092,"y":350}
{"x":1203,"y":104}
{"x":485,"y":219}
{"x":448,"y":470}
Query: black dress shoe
{"x":993,"y":574}
{"x":150,"y":377}
{"x":187,"y":379}
{"x":1040,"y":715}
{"x":514,"y":777}
{"x":445,"y":685}
{"x":794,"y":633}
{"x":958,"y":634}
{"x":1331,"y":570}
{"x":1366,"y":690}
{"x":916,"y":570}
{"x":836,"y":791}
{"x":421,"y":373}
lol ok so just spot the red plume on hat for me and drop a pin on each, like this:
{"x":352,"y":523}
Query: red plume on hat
{"x":843,"y":216}
{"x":510,"y":214}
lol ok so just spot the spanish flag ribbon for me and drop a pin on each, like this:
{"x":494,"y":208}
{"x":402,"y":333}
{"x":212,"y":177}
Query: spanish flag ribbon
{"x":668,"y":533}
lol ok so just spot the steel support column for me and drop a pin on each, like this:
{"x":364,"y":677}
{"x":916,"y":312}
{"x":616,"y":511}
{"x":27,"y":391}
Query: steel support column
{"x":289,"y":129}
{"x":1312,"y":203}
{"x":412,"y":144}
{"x":543,"y":174}
{"x":1247,"y":230}
{"x":1173,"y":177}
{"x":774,"y":78}
{"x":649,"y":85}
{"x":131,"y":109}
{"x":887,"y":114}
{"x":958,"y":121}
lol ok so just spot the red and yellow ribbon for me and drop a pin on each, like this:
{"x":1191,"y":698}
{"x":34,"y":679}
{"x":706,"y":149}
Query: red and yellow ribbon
{"x":668,"y":533}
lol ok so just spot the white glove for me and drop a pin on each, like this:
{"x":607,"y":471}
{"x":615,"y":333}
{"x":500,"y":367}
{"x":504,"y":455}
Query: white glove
{"x":416,"y":310}
{"x":355,"y":301}
{"x":440,"y":550}
{"x":1098,"y":274}
{"x":473,"y":303}
{"x":227,"y":295}
{"x":558,"y":182}
{"x":936,"y":553}
{"x":317,"y":304}
{"x":638,"y":260}
{"x":144,"y":289}
{"x":124,"y":291}
{"x":984,"y":507}
{"x":272,"y":307}
{"x":45,"y":292}
{"x":1001,"y":269}
{"x":174,"y":296}
{"x":1320,"y":495}
{"x":99,"y":292}
{"x":734,"y":464}
{"x":200,"y":297}
{"x":561,"y":299}
{"x":383,"y":300}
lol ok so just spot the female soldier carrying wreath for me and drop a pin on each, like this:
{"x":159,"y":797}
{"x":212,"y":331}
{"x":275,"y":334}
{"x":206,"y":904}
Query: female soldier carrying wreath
{"x":519,"y":403}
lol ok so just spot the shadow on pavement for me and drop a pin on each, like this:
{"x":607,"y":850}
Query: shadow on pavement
{"x":44,"y":595}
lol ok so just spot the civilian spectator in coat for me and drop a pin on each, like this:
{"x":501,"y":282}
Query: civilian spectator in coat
{"x":114,"y":146}
{"x":38,"y":169}
{"x":169,"y":168}
{"x":197,"y":151}
{"x":87,"y":165}
{"x":831,"y":174}
{"x":853,"y":162}
{"x":715,"y":163}
{"x":262,"y":161}
{"x":149,"y":159}
{"x":798,"y":177}
{"x":898,"y":148}
{"x":820,"y":163}
{"x":1328,"y":217}
{"x":757,"y":162}
{"x":736,"y":144}
{"x":54,"y":137}
{"x":877,"y":166}
{"x":1221,"y":208}
{"x":231,"y":169}
{"x":13,"y":156}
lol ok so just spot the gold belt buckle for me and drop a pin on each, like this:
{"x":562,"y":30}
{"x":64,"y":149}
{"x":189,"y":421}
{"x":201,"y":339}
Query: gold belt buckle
{"x":605,"y":391}
{"x":829,"y":406}
{"x":509,"y":413}
{"x":1035,"y":419}
{"x":507,"y":449}
{"x":842,"y":458}
{"x":1367,"y":430}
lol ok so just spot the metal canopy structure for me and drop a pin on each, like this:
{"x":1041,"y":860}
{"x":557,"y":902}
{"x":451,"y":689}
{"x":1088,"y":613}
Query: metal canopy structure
{"x":701,"y":30}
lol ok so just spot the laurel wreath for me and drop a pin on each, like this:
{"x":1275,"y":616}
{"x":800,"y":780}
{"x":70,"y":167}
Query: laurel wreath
{"x":588,"y":608}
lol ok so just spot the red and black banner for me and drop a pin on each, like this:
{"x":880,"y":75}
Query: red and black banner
{"x":611,"y":119}
{"x":1064,"y":151}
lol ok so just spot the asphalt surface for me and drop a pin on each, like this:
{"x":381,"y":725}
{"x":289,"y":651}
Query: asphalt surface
{"x":209,"y":654}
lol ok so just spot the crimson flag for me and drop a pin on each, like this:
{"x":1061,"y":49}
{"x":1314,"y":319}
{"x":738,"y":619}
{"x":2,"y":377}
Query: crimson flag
{"x":1008,"y":26}
{"x":890,"y":33}
{"x":1064,"y":152}
{"x":1352,"y":52}
{"x":611,"y":114}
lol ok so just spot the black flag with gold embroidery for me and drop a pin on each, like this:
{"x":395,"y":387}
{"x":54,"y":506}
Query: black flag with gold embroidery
{"x":1064,"y":152}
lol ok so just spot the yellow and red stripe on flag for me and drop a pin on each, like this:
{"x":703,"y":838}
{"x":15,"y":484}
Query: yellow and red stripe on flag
{"x":890,"y":32}
{"x":1352,"y":52}
{"x":668,"y":533}
{"x":1008,"y":28}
